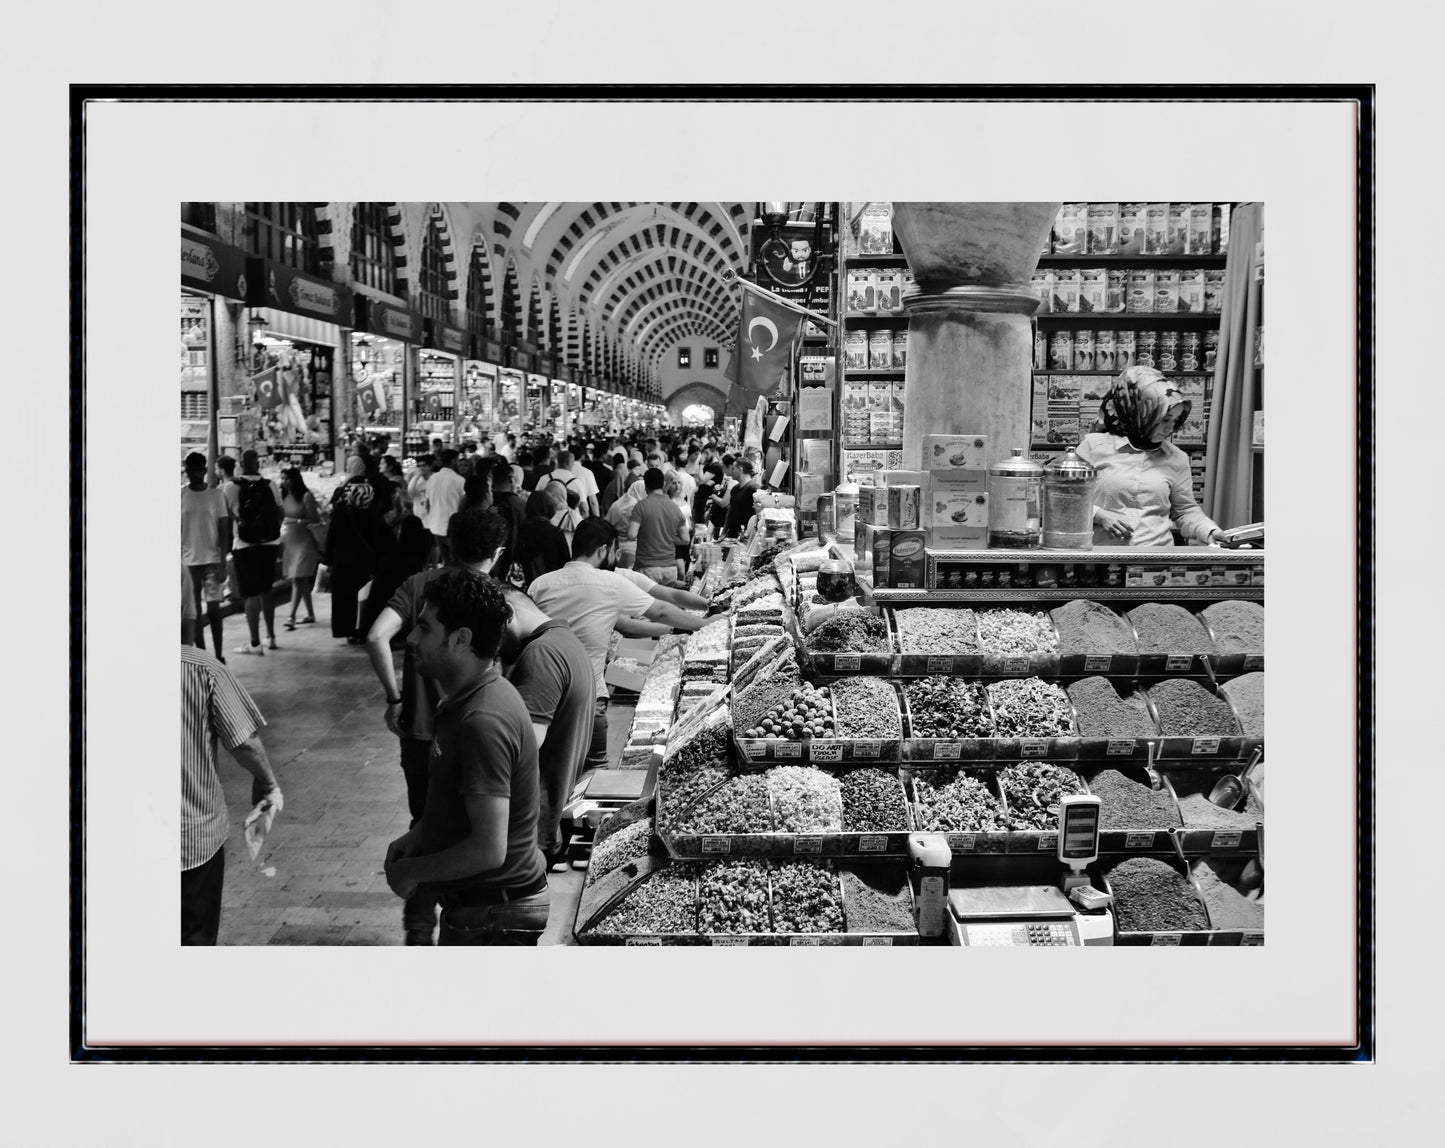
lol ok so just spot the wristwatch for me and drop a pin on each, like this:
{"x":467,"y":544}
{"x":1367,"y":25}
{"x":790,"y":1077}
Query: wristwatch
{"x":393,"y":701}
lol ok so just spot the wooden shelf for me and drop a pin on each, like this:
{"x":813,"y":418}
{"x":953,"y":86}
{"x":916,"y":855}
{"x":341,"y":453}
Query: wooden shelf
{"x":1143,"y":261}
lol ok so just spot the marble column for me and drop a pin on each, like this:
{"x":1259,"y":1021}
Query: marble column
{"x":970,"y":346}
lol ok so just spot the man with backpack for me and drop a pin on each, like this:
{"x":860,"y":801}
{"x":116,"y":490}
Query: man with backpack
{"x":513,"y":509}
{"x":575,"y":479}
{"x":255,"y":507}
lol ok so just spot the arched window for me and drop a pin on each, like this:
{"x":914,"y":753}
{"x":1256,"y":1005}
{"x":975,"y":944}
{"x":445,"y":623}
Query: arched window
{"x":434,"y":294}
{"x":510,"y":317}
{"x":284,"y":232}
{"x":372,"y":262}
{"x":479,"y":291}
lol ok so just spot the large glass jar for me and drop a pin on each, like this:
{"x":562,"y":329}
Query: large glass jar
{"x":1015,"y":497}
{"x":1069,"y":503}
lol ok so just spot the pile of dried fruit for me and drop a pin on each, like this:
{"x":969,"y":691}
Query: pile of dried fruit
{"x":873,"y":802}
{"x":1103,"y":713}
{"x":1013,"y":632}
{"x":942,"y":707}
{"x":1238,"y":626}
{"x":1086,"y":627}
{"x":665,"y":903}
{"x":1033,"y":790}
{"x":1030,"y":707}
{"x":1187,"y":709}
{"x":739,"y":805}
{"x":708,"y":746}
{"x":1247,"y":694}
{"x":806,"y":712}
{"x":805,"y":898}
{"x":876,"y":899}
{"x":1151,"y":896}
{"x":1169,"y":629}
{"x":867,"y":708}
{"x":626,"y":844}
{"x":1130,"y":803}
{"x":733,"y":898}
{"x":851,"y":632}
{"x":953,"y":801}
{"x":805,"y":800}
{"x":924,"y":630}
{"x":677,"y":790}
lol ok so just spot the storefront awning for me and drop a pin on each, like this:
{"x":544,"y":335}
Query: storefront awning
{"x":214,"y":267}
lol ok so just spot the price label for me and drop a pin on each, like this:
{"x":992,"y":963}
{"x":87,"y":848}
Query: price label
{"x":827,"y":751}
{"x":866,"y":748}
{"x":1253,"y":662}
{"x":842,"y":663}
{"x":1033,"y":748}
{"x":940,"y":665}
{"x":1120,"y":748}
{"x":1014,"y":666}
{"x":1252,"y":939}
{"x":962,"y":842}
{"x":755,"y":749}
{"x":1205,"y":745}
{"x":1226,"y":839}
{"x":1165,"y":939}
{"x":643,"y":941}
{"x":870,"y":941}
{"x":1048,"y":842}
{"x":947,"y":750}
{"x":716,"y":845}
{"x":807,"y":845}
{"x":788,"y":749}
{"x":794,"y":941}
{"x":873,"y":843}
{"x":731,"y":942}
{"x":1098,"y":663}
{"x":1139,"y":841}
{"x":1178,"y":663}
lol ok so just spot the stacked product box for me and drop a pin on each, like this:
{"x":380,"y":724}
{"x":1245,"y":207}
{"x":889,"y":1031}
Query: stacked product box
{"x":1140,"y":229}
{"x":957,"y":480}
{"x":889,"y":288}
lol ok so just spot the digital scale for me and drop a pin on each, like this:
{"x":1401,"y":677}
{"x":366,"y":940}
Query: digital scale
{"x":597,"y":796}
{"x":1021,"y":914}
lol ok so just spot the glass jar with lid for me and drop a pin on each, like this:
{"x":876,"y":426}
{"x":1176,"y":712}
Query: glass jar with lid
{"x":1015,"y":497}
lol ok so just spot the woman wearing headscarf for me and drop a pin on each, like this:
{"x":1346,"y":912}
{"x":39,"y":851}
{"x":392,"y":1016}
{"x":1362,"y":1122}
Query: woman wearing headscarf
{"x":567,"y":516}
{"x":355,"y":541}
{"x":1143,"y":482}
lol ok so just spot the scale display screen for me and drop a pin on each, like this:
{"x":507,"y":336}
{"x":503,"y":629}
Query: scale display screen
{"x":1079,"y":836}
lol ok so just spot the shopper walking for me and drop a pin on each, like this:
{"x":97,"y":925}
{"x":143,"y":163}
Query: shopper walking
{"x":205,"y":541}
{"x":256,"y":511}
{"x":541,"y":547}
{"x":477,"y":539}
{"x":551,"y":671}
{"x":740,"y":498}
{"x":215,"y":708}
{"x":355,"y":542}
{"x":659,"y":527}
{"x":300,"y":555}
{"x":476,"y":843}
{"x":445,"y":491}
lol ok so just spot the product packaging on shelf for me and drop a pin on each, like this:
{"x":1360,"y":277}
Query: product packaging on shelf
{"x":1041,"y":350}
{"x":1191,"y":291}
{"x":1146,"y":347}
{"x":880,"y":350}
{"x":1131,"y":228}
{"x":1093,"y":289}
{"x":1061,"y":351}
{"x":1103,"y":228}
{"x":1041,"y":283}
{"x":1166,"y":292}
{"x":957,"y":520}
{"x":1168,"y":350}
{"x":1083,"y":350}
{"x":1071,"y":228}
{"x":946,"y":453}
{"x":895,"y":477}
{"x":1065,"y":292}
{"x":875,"y":229}
{"x":890,"y":290}
{"x":1116,"y":289}
{"x":1200,"y":238}
{"x":1141,"y":292}
{"x":863,"y":290}
{"x":872,"y":505}
{"x":1220,"y":242}
{"x":1178,"y":229}
{"x":1156,"y":229}
{"x":855,"y":350}
{"x":899,"y":354}
{"x":872,"y":549}
{"x":907,"y":560}
{"x":1189,"y":353}
{"x":1125,"y":350}
{"x":1213,"y":290}
{"x":1210,"y":349}
{"x":1104,"y":350}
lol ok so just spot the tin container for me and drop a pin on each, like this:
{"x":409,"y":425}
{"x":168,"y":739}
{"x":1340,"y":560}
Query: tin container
{"x":1015,"y":498}
{"x":1068,"y":503}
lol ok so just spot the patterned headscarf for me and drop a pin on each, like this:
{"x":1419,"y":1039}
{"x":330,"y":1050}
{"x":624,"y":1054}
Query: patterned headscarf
{"x":1144,"y":406}
{"x":355,"y":467}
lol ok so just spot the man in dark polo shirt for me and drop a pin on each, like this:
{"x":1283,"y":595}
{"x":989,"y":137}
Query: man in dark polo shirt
{"x":551,"y":670}
{"x":476,"y":842}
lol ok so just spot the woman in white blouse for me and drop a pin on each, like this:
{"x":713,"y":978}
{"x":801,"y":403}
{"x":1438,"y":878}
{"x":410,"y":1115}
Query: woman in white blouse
{"x":1143,"y":484}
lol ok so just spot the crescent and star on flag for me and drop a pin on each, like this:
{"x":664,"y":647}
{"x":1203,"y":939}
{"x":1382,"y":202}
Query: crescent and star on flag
{"x":772,"y":331}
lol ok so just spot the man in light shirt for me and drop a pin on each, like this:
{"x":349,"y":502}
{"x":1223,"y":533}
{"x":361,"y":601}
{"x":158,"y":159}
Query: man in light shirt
{"x":574,"y":476}
{"x":445,"y":493}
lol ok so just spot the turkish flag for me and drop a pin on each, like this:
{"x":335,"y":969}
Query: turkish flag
{"x":765,"y":343}
{"x":367,"y":397}
{"x":268,"y":389}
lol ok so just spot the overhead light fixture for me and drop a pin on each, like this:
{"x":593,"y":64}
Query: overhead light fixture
{"x":257,"y":325}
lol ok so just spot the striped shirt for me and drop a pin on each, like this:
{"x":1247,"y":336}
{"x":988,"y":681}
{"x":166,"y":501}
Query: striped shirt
{"x":213,"y":705}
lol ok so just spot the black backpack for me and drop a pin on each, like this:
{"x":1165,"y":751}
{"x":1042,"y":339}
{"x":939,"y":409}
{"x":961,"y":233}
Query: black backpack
{"x":259,"y":518}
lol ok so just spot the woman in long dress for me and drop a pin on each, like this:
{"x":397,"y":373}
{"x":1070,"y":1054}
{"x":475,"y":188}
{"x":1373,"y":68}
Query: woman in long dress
{"x":299,"y":553}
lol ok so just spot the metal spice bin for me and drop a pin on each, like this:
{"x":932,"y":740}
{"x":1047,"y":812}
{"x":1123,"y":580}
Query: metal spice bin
{"x":821,"y":750}
{"x":831,"y":663}
{"x":1171,"y":665}
{"x":1136,"y":840}
{"x":963,"y":841}
{"x":915,"y":665}
{"x":1190,"y":937}
{"x":842,"y":939}
{"x":1057,"y":748}
{"x":1019,"y":665}
{"x":1203,"y":840}
{"x":1232,"y":664}
{"x":944,"y":749}
{"x":1108,"y":665}
{"x":1232,"y":747}
{"x":599,"y":898}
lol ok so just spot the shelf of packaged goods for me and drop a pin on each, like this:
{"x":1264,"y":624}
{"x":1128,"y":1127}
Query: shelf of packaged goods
{"x":877,"y":318}
{"x":1106,"y":556}
{"x":873,"y":372}
{"x":1116,"y":260}
{"x":1063,"y":371}
{"x":1147,"y":318}
{"x":887,"y":597}
{"x":895,"y":259}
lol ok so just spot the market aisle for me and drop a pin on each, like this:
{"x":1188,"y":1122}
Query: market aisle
{"x":318,"y":878}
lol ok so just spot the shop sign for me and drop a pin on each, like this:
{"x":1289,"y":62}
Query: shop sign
{"x":213,"y":267}
{"x":290,"y":290}
{"x":452,"y":339}
{"x":384,"y":319}
{"x":491,"y":350}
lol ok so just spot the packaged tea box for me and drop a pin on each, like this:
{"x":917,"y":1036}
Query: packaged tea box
{"x":1103,"y":229}
{"x":1131,"y":228}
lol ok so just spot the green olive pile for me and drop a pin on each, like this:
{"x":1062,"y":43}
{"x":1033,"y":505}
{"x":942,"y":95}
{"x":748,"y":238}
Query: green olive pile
{"x":807,"y":712}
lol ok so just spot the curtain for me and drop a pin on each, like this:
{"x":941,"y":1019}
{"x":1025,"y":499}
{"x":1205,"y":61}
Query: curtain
{"x":1229,"y":457}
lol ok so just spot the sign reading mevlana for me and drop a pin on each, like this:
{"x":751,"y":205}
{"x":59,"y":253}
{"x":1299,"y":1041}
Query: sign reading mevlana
{"x":213,"y":267}
{"x":290,"y":290}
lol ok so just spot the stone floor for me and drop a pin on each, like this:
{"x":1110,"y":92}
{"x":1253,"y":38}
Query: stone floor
{"x":318,"y":878}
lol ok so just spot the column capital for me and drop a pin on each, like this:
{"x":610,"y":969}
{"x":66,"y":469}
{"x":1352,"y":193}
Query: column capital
{"x":920,"y":299}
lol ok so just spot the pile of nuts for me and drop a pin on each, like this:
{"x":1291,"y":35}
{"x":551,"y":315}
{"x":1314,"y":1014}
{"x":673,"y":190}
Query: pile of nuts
{"x":851,"y":632}
{"x":867,"y":708}
{"x":761,"y":698}
{"x":1034,"y":790}
{"x":739,"y":805}
{"x":1164,"y":628}
{"x":873,"y":802}
{"x":806,"y":712}
{"x":1013,"y":632}
{"x":805,"y":800}
{"x":806,"y":898}
{"x":733,"y":898}
{"x":954,"y":801}
{"x":943,"y":707}
{"x":665,"y":903}
{"x":626,"y":844}
{"x":1030,"y":707}
{"x":924,"y":630}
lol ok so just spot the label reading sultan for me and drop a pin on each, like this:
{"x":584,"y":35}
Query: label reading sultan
{"x":643,"y":941}
{"x":731,"y":942}
{"x":866,"y":749}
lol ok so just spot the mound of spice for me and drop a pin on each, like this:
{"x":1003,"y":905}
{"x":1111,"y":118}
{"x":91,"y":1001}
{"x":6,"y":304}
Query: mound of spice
{"x":867,"y":708}
{"x":1033,"y":790}
{"x":1232,"y":905}
{"x":733,"y":898}
{"x":1247,"y":694}
{"x":665,"y":903}
{"x":1187,"y":709}
{"x":924,"y":630}
{"x":876,"y":899}
{"x":805,"y":898}
{"x":1238,"y":626}
{"x":1201,"y":813}
{"x":1030,"y":707}
{"x":851,"y":632}
{"x":873,"y":802}
{"x":1169,"y":629}
{"x":1129,"y":803}
{"x":943,"y":707}
{"x":1012,"y":632}
{"x":1103,"y":713}
{"x":1151,"y":896}
{"x":1086,"y":627}
{"x":952,"y":801}
{"x":805,"y":800}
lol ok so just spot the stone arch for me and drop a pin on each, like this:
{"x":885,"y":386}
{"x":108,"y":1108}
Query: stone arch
{"x":697,"y":392}
{"x":437,"y":214}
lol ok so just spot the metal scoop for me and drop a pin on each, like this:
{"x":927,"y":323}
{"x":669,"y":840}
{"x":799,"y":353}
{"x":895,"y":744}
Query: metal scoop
{"x":1229,"y":790}
{"x":1155,"y":781}
{"x":1175,"y":839}
{"x":1208,"y":665}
